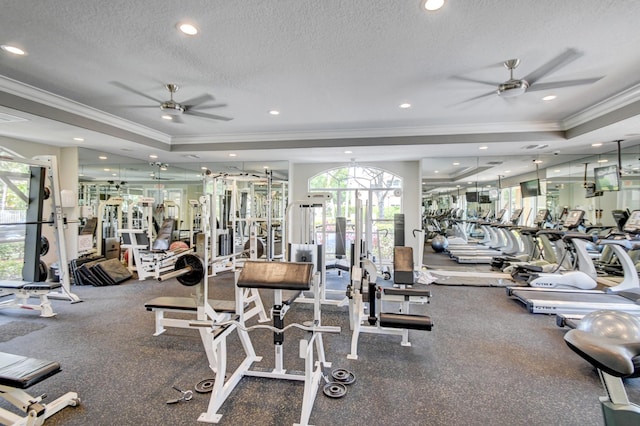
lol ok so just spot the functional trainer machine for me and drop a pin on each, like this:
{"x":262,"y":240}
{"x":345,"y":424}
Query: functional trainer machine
{"x":279,"y":277}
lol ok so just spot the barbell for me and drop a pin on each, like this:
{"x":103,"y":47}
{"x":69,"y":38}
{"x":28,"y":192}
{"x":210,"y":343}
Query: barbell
{"x":188,"y":270}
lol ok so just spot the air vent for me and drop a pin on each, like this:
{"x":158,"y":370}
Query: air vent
{"x":542,"y":146}
{"x":194,"y":156}
{"x":494,"y":163}
{"x":6,"y":118}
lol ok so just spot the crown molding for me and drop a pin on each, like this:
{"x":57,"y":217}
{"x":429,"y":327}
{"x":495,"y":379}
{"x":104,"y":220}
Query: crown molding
{"x":51,"y":100}
{"x":606,"y":106}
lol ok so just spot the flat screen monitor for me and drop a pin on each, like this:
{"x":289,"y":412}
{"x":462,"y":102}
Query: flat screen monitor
{"x":607,"y":178}
{"x":472,"y":197}
{"x":484,"y":199}
{"x":530,"y":188}
{"x":515,"y":217}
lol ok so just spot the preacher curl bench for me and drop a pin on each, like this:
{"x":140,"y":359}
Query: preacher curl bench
{"x":18,"y":373}
{"x":276,"y":276}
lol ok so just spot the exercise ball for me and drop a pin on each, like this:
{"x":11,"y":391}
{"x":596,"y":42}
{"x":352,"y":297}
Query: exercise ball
{"x":439,"y":243}
{"x":177,"y":245}
{"x":612,"y":325}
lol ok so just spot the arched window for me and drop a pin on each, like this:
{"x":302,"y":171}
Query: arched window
{"x":381,"y":193}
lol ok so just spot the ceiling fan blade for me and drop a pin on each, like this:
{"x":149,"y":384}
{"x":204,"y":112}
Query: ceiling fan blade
{"x":198,"y":100}
{"x":132,"y":90}
{"x":484,"y":95}
{"x":201,"y":107}
{"x":560,"y":84}
{"x":141,"y":106}
{"x":559,"y":61}
{"x":473,"y":80}
{"x":205,"y":115}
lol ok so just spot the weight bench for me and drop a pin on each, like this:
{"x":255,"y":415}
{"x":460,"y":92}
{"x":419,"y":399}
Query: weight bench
{"x":23,"y":290}
{"x":164,"y":304}
{"x":403,"y":293}
{"x":279,"y":277}
{"x":158,"y":259}
{"x":18,"y":373}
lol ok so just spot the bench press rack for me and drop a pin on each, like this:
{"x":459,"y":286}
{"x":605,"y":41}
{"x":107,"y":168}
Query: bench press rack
{"x":276,"y":276}
{"x":18,"y":373}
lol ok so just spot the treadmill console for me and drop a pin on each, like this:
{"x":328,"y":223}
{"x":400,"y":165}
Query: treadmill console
{"x":574,"y":219}
{"x":620,"y":217}
{"x":515,"y":217}
{"x":542,"y":217}
{"x":632,"y":226}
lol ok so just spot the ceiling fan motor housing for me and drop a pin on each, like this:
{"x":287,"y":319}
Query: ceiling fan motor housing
{"x":512,"y":88}
{"x":172,"y":108}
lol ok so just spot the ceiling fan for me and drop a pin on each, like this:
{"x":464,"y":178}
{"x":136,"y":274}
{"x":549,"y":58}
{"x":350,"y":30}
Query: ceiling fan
{"x":530,"y":83}
{"x":174,"y":110}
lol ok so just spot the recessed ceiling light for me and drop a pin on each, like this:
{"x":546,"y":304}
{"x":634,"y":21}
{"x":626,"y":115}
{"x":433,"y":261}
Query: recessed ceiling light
{"x":13,"y":49}
{"x":556,"y":171}
{"x":538,"y":161}
{"x":187,"y":28}
{"x":597,"y":144}
{"x":102,"y":157}
{"x":432,"y":5}
{"x":153,"y":156}
{"x":232,"y":155}
{"x":456,"y":164}
{"x":405,"y":106}
{"x":78,"y":139}
{"x":167,"y":117}
{"x":348,"y":152}
{"x":549,"y":98}
{"x":114,"y":174}
{"x":107,"y":170}
{"x":507,"y":171}
{"x":436,"y":171}
{"x":469,"y":183}
{"x":203,"y":167}
{"x":274,"y":112}
{"x":604,"y":160}
{"x":483,"y":147}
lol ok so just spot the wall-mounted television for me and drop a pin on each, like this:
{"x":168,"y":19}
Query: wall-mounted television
{"x":530,"y":188}
{"x":607,"y":178}
{"x":472,"y":197}
{"x":484,"y":199}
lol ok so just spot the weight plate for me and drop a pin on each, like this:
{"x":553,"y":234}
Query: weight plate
{"x":43,"y":272}
{"x":343,"y":376}
{"x":204,"y":386}
{"x":193,"y":277}
{"x":334,"y":390}
{"x":44,"y":246}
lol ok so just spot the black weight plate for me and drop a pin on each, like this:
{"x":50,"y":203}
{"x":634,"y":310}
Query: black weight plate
{"x":193,"y":277}
{"x":44,"y":246}
{"x":334,"y":390}
{"x":204,"y":386}
{"x":46,"y":193}
{"x":43,"y":272}
{"x":343,"y":376}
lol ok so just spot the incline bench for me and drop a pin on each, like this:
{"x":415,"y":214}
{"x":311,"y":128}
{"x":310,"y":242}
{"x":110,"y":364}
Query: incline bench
{"x":20,"y":372}
{"x":25,"y":289}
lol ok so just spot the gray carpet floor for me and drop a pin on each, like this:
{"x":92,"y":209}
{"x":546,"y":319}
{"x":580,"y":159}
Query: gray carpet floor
{"x":487,"y":361}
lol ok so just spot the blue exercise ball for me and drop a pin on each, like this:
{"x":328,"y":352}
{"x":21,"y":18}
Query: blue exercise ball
{"x":439,"y":243}
{"x":612,"y":325}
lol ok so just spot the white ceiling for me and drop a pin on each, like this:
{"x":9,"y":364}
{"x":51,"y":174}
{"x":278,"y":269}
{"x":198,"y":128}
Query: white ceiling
{"x":336,"y":70}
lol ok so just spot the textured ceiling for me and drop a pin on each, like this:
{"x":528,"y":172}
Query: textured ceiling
{"x":336,"y":70}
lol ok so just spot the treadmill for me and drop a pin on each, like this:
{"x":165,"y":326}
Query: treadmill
{"x":623,"y":297}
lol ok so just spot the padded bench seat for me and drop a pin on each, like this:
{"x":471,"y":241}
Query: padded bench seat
{"x":29,"y":286}
{"x":410,"y":321}
{"x":410,"y":292}
{"x":276,"y":275}
{"x":21,"y":372}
